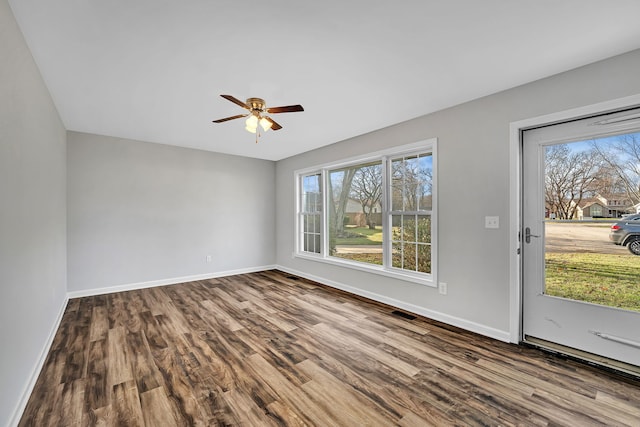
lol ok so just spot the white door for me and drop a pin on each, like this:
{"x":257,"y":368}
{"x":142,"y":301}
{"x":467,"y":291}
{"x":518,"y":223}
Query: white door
{"x":580,"y":290}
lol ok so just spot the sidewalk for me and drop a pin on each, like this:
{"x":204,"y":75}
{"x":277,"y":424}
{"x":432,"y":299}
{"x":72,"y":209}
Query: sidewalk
{"x":359,"y":249}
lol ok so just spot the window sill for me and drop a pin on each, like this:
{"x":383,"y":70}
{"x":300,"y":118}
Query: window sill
{"x":371,"y":268}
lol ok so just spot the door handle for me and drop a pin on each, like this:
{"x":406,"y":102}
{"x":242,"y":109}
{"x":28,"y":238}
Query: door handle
{"x":528,"y":235}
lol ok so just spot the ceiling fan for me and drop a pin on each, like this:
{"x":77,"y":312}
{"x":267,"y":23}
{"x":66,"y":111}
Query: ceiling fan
{"x":257,"y":113}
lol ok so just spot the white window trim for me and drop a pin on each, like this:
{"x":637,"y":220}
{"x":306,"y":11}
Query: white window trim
{"x":299,"y":213}
{"x":429,"y":145}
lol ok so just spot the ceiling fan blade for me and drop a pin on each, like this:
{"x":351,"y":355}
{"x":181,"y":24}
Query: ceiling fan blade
{"x":230,"y":118}
{"x":285,"y":109}
{"x":235,"y":101}
{"x":274,"y":125}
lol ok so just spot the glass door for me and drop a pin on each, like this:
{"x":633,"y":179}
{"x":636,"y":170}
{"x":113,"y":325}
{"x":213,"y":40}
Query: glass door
{"x":581,"y":261}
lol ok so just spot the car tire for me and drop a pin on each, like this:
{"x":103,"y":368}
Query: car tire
{"x":634,"y":246}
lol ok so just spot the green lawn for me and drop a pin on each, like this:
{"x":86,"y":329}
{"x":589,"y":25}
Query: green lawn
{"x":360,"y":236}
{"x":612,"y":280}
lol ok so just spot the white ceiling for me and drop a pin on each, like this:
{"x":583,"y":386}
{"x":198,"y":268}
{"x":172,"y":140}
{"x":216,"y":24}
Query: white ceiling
{"x":152,"y":70}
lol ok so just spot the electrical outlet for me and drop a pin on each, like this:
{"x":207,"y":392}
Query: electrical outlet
{"x":208,"y":258}
{"x":442,"y":288}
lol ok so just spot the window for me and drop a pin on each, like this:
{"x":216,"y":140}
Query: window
{"x":355,"y":230}
{"x":311,"y":213}
{"x":411,"y":204}
{"x":377,"y":213}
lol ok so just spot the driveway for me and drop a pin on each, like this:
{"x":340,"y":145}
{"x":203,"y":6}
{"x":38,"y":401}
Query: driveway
{"x":580,"y":237}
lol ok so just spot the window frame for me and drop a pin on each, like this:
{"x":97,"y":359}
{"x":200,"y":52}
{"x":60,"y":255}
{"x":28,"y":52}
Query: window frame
{"x":301,"y":232}
{"x":386,"y":156}
{"x":405,"y":212}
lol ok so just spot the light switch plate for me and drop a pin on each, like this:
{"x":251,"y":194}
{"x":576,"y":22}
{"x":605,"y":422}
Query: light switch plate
{"x":491,"y":222}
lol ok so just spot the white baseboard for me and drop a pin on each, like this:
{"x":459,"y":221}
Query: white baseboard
{"x":26,"y":393}
{"x":164,"y":282}
{"x":478,"y":328}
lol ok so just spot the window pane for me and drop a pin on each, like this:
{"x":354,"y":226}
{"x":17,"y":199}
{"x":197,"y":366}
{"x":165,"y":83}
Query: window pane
{"x":311,"y":208}
{"x":424,"y":229}
{"x":397,"y":185}
{"x":309,"y":244}
{"x":424,"y":259}
{"x":316,"y":243}
{"x":411,"y":183}
{"x":355,"y":213}
{"x":311,"y":194}
{"x":411,"y":203}
{"x":409,"y":229}
{"x":425,"y":184}
{"x":311,"y":240}
{"x":409,"y":250}
{"x":396,"y":255}
{"x":585,"y":255}
{"x":311,"y":223}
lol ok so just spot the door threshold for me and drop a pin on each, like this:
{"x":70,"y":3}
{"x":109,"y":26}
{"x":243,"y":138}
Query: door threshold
{"x":585,"y":357}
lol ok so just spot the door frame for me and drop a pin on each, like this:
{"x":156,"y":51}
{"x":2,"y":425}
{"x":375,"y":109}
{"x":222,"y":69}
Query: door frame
{"x":516,"y":192}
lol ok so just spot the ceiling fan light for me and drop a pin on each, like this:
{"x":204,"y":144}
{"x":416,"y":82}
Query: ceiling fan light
{"x":266,"y":124}
{"x":250,"y":129}
{"x":252,"y":121}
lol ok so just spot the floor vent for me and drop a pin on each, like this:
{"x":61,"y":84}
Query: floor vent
{"x":403,"y":314}
{"x":293,"y":278}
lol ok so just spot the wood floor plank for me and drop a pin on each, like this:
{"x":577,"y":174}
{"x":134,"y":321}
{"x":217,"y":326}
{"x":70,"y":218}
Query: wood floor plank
{"x":145,"y":372}
{"x":223,"y":319}
{"x":629,"y":409}
{"x":359,"y":375}
{"x":252,"y":414}
{"x":101,"y":417}
{"x":118,"y":359}
{"x":314,"y":412}
{"x":98,"y":393}
{"x":73,"y":401}
{"x":126,"y":404}
{"x":178,"y":388}
{"x":157,"y":410}
{"x":284,"y":415}
{"x":364,"y":347}
{"x":272,"y":349}
{"x":346,"y":404}
{"x":99,"y":323}
{"x":413,"y":420}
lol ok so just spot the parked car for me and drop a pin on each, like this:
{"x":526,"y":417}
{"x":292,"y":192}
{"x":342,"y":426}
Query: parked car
{"x":626,"y":232}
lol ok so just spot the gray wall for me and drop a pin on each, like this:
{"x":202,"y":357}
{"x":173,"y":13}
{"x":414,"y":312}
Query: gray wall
{"x":32,"y":216}
{"x":141,"y":212}
{"x":473,"y":181}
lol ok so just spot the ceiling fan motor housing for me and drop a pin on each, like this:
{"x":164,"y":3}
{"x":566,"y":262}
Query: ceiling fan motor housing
{"x":256,"y":104}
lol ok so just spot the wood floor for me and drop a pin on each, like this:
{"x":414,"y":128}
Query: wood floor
{"x":268,"y":349}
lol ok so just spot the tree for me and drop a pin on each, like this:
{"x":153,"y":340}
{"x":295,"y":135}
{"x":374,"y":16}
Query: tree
{"x":366,"y":188}
{"x":622,"y":160}
{"x":607,"y":181}
{"x":412,"y":184}
{"x":339,"y":189}
{"x":569,"y":177}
